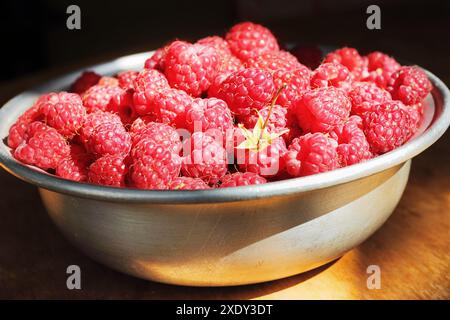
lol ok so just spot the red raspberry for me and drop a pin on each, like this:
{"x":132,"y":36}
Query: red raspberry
{"x":86,"y":80}
{"x":160,"y":133}
{"x":126,"y":79}
{"x":108,"y":81}
{"x":249,"y":40}
{"x":331,"y":74}
{"x":170,"y":107}
{"x":227,"y":65}
{"x":188,"y":183}
{"x":76,"y":166}
{"x":63,"y":111}
{"x":380,"y":68}
{"x":147,"y":143}
{"x":109,"y":170}
{"x":191,"y":67}
{"x":218,"y":43}
{"x":238,"y":179}
{"x":156,"y":169}
{"x":204,"y":158}
{"x":93,"y":120}
{"x":387,"y":126}
{"x":98,"y":97}
{"x":310,"y":154}
{"x":147,"y":85}
{"x":156,"y":61}
{"x":296,"y":82}
{"x":350,"y":58}
{"x":214,"y":89}
{"x":18,"y":131}
{"x":44,"y":148}
{"x":410,"y":85}
{"x":208,"y":115}
{"x":109,"y":138}
{"x":267,"y":162}
{"x":363,"y":95}
{"x":353,"y":146}
{"x":415,"y":113}
{"x":277,"y":120}
{"x":322,"y":109}
{"x":246,"y":90}
{"x":310,"y":56}
{"x":274,"y":60}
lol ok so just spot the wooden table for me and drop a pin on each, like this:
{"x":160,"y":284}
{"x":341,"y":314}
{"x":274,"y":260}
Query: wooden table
{"x":412,"y":248}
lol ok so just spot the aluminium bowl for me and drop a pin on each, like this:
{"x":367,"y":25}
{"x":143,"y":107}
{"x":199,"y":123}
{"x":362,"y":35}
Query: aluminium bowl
{"x":229,"y":236}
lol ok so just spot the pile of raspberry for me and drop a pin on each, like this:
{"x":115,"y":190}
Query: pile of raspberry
{"x":193,"y":117}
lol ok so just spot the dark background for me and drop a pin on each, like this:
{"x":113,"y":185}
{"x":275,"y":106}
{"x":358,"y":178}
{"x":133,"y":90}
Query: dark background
{"x":35,"y":37}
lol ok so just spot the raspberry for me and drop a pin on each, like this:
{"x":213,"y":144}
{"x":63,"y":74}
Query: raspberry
{"x":187,"y":183}
{"x":108,"y":81}
{"x":44,"y":147}
{"x":363,"y":95}
{"x":160,"y":133}
{"x":218,"y":43}
{"x":310,"y":56}
{"x":93,"y":120}
{"x":63,"y":111}
{"x":310,"y":154}
{"x":204,"y":158}
{"x":156,"y":169}
{"x":109,"y":138}
{"x":410,"y":85}
{"x":148,"y":143}
{"x":267,"y":162}
{"x":109,"y":170}
{"x":353,"y":146}
{"x":277,"y":120}
{"x":75,"y":166}
{"x":98,"y":97}
{"x":191,"y":67}
{"x":147,"y":84}
{"x":227,"y":65}
{"x":322,"y":109}
{"x":387,"y":126}
{"x":86,"y":80}
{"x":350,"y":58}
{"x":415,"y":113}
{"x":296,"y":83}
{"x":274,"y":60}
{"x":156,"y":61}
{"x":207,"y":115}
{"x":18,"y":131}
{"x":214,"y":89}
{"x":126,"y":79}
{"x":170,"y":107}
{"x":246,"y":90}
{"x":238,"y":179}
{"x":249,"y":40}
{"x":380,"y":68}
{"x":331,"y":74}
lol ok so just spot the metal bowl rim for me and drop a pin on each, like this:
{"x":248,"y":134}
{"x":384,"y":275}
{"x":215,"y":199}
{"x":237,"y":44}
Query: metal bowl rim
{"x":433,"y":132}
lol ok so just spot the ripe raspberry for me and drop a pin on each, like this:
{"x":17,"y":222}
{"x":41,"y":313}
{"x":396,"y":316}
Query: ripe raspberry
{"x":218,"y":43}
{"x":44,"y":147}
{"x":108,"y":81}
{"x":18,"y":131}
{"x":410,"y":85}
{"x":331,"y":74}
{"x":86,"y":80}
{"x":170,"y":107}
{"x":380,"y":67}
{"x":63,"y":111}
{"x":387,"y":126}
{"x":160,"y":133}
{"x":415,"y":113}
{"x":249,"y":40}
{"x":227,"y":65}
{"x":322,"y":109}
{"x":238,"y":179}
{"x":353,"y":146}
{"x":310,"y":154}
{"x":147,"y":143}
{"x":99,"y":98}
{"x":156,"y":61}
{"x":187,"y":183}
{"x":109,"y":170}
{"x":75,"y":167}
{"x":267,"y":162}
{"x":208,"y":115}
{"x":93,"y":120}
{"x":191,"y":67}
{"x":156,"y":169}
{"x":126,"y":79}
{"x":274,"y":60}
{"x":350,"y":58}
{"x":147,"y":84}
{"x":363,"y":95}
{"x":310,"y":56}
{"x":109,"y":138}
{"x":296,"y":83}
{"x":214,"y":89}
{"x":247,"y":90}
{"x":204,"y":158}
{"x":277,"y":120}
